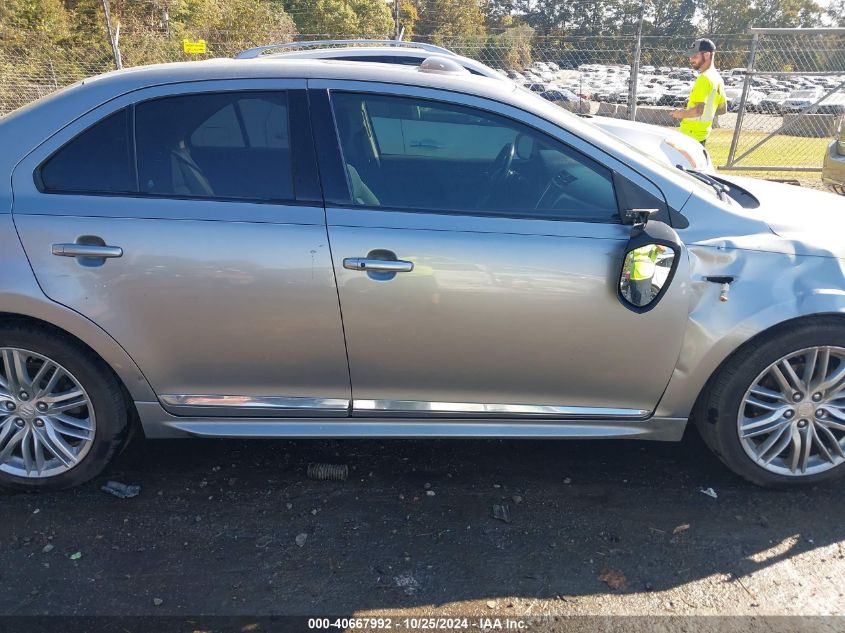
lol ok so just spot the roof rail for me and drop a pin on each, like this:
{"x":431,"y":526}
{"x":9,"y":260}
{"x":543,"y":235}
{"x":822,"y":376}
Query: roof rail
{"x":258,"y":51}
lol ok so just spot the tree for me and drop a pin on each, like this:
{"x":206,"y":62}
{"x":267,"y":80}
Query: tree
{"x":19,"y":19}
{"x":409,"y":16}
{"x":441,"y":19}
{"x":342,"y":18}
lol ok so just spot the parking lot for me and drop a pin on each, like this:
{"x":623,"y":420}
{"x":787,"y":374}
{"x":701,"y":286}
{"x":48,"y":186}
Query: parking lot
{"x":229,"y":528}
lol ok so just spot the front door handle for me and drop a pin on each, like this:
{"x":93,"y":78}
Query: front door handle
{"x":378,"y":265}
{"x":86,"y":250}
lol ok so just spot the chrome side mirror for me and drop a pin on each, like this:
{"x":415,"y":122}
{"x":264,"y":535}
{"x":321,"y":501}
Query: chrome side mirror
{"x":650,"y":261}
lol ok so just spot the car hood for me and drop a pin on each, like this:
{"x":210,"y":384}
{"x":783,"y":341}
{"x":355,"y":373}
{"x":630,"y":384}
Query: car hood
{"x":658,"y":141}
{"x":811,"y":222}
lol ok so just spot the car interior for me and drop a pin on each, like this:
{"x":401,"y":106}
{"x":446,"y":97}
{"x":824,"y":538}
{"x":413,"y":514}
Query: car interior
{"x":402,"y":154}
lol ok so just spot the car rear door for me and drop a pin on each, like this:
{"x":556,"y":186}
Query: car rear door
{"x":468,"y":293}
{"x":187,"y":222}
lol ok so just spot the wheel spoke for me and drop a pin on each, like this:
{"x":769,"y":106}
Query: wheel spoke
{"x":40,"y":374}
{"x":834,"y":382}
{"x":792,"y":377}
{"x":68,"y":406}
{"x":6,"y":428}
{"x":10,"y":367}
{"x":759,"y":390}
{"x":39,"y":453}
{"x":806,"y":443}
{"x":11,"y":444}
{"x":775,"y":444}
{"x":56,"y":445}
{"x":766,"y":429}
{"x":79,"y":429}
{"x":830,"y":424}
{"x":783,"y":383}
{"x":795,"y":452}
{"x":51,"y":384}
{"x":810,"y":365}
{"x":27,"y":451}
{"x":755,"y":423}
{"x":769,"y":406}
{"x":78,"y":423}
{"x":62,"y":397}
{"x":823,"y":431}
{"x":817,"y":441}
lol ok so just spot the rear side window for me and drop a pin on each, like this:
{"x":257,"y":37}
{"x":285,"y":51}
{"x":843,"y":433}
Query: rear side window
{"x":228,"y":145}
{"x":220,"y":145}
{"x":99,"y":160}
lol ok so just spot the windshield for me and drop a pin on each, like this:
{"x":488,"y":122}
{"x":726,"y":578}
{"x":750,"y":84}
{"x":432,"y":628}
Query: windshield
{"x":803,"y":94}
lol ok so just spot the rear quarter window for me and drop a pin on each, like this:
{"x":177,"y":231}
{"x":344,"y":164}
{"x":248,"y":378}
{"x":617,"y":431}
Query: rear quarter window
{"x":99,"y":160}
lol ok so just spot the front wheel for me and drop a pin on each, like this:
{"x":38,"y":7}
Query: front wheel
{"x":62,"y":412}
{"x":775,"y":413}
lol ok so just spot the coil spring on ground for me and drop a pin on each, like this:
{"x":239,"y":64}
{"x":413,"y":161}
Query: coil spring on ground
{"x":328,"y":472}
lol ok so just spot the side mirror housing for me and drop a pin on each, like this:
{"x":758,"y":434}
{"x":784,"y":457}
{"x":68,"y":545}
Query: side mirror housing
{"x":651,"y":259}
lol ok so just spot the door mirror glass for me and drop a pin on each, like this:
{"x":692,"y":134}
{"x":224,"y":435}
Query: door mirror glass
{"x":648,"y":266}
{"x":645,"y":273}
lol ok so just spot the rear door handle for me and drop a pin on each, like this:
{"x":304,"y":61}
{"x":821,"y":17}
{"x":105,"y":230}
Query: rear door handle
{"x":86,"y":250}
{"x":378,"y":265}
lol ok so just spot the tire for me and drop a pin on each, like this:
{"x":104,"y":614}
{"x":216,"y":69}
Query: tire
{"x":717,"y":412}
{"x":104,"y":412}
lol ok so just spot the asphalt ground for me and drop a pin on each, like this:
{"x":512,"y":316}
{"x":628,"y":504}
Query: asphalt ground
{"x":235,"y":528}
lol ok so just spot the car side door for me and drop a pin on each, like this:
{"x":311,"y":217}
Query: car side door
{"x":187,"y":222}
{"x":478,"y":251}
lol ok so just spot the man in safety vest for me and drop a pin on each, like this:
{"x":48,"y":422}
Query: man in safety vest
{"x":707,"y":97}
{"x":642,"y":267}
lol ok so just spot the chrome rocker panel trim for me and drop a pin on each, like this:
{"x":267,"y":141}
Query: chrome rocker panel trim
{"x":158,"y":423}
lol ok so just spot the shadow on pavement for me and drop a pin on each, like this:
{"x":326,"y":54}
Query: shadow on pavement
{"x":214,"y":530}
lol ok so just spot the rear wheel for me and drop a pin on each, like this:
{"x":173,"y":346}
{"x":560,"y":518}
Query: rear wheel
{"x":62,"y":412}
{"x":775,"y":413}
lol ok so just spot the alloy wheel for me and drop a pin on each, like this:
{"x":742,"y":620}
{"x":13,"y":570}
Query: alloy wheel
{"x":792,"y":418}
{"x":47,"y":422}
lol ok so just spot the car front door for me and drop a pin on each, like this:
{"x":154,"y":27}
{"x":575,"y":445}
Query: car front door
{"x":187,"y":222}
{"x":478,"y":263}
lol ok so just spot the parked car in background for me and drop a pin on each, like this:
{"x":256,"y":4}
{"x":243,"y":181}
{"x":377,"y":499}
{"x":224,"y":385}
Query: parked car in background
{"x":773,"y":102}
{"x":561,"y":95}
{"x":277,"y":248}
{"x":800,"y":100}
{"x":833,"y":169}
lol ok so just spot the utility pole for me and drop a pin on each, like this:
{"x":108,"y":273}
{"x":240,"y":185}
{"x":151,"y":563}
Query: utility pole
{"x":635,"y":68}
{"x":112,"y":40}
{"x":396,"y":18}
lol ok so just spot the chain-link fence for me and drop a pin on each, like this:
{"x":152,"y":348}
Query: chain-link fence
{"x":585,"y":74}
{"x":790,"y":100}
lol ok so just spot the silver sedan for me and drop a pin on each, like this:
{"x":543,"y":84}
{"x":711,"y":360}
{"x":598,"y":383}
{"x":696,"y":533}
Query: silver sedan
{"x":258,"y":248}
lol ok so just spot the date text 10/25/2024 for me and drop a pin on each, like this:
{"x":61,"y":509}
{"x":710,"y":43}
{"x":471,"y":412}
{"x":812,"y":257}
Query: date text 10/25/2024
{"x":417,"y":624}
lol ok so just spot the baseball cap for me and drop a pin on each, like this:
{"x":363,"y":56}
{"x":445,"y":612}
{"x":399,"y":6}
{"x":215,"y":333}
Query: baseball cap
{"x":702,"y":46}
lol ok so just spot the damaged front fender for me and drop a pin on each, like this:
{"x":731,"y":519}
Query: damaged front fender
{"x":768,"y":289}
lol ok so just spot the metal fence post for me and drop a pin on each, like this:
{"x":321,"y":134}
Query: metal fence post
{"x":746,"y":86}
{"x":114,"y":47}
{"x":635,"y":68}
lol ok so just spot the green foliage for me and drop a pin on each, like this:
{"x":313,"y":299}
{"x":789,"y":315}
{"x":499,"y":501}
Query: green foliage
{"x":441,"y":19}
{"x":342,"y":18}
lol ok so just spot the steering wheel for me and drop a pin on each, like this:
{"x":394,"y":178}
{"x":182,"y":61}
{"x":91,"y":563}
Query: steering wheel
{"x":500,"y":170}
{"x":499,"y":173}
